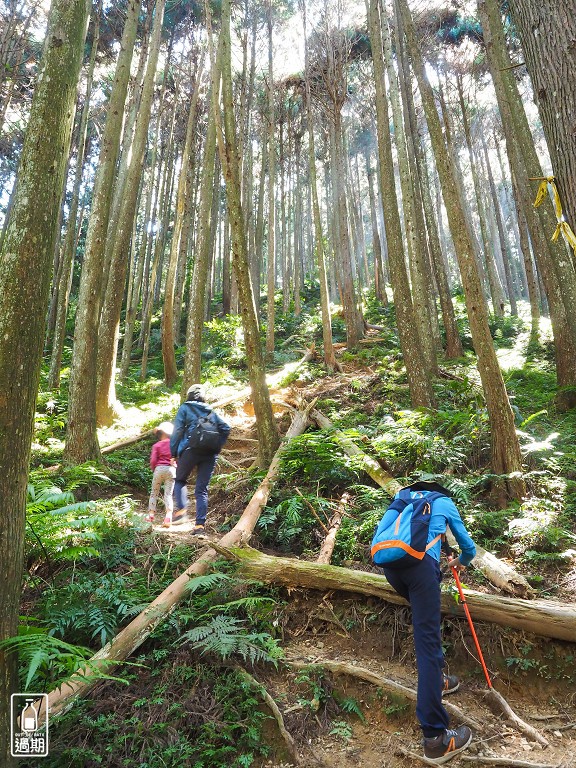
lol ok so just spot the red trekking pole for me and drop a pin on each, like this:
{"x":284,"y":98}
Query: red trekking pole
{"x":472,"y":630}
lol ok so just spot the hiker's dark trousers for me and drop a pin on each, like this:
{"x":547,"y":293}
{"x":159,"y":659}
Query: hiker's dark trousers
{"x":420,"y":585}
{"x":205,"y":464}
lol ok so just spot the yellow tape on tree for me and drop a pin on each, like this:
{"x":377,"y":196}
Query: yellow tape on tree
{"x":563,"y":227}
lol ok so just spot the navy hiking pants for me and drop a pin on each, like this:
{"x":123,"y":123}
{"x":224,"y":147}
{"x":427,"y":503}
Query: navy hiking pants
{"x":204,"y":463}
{"x":420,"y":585}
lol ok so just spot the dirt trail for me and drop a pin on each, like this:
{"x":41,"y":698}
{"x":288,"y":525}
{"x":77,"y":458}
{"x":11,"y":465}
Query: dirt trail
{"x":369,"y":634}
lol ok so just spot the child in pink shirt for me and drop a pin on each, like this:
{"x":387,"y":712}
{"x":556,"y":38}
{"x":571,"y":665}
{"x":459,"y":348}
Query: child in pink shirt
{"x":163,"y":466}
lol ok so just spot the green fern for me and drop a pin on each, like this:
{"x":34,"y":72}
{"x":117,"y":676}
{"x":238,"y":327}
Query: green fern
{"x":226,"y":636}
{"x":206,"y":582}
{"x":46,"y":662}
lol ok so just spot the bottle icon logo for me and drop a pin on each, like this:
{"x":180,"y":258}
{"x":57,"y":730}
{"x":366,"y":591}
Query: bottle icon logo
{"x":29,"y":717}
{"x":29,"y":725}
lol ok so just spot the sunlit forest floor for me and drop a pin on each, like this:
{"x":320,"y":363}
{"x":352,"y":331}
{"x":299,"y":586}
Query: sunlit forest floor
{"x":94,"y":563}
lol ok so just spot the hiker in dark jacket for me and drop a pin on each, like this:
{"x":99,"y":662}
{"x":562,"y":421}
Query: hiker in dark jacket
{"x":186,"y":419}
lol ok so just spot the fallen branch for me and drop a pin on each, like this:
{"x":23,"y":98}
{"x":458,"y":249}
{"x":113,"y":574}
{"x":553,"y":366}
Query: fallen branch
{"x":546,"y":618}
{"x":501,"y":706}
{"x":327,"y":547}
{"x":288,"y":740}
{"x":391,"y":686}
{"x":133,"y":635}
{"x":312,"y":510}
{"x":500,"y":574}
{"x":505,"y":761}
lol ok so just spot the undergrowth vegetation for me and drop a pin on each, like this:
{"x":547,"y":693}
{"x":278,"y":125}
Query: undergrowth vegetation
{"x":92,"y":564}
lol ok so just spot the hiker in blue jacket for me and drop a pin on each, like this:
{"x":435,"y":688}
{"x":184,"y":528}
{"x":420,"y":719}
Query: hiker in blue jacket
{"x":419,"y":583}
{"x":193,"y":409}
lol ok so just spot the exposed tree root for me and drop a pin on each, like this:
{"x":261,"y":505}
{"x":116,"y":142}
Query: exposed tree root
{"x":506,"y":762}
{"x":342,"y":668}
{"x":498,"y":703}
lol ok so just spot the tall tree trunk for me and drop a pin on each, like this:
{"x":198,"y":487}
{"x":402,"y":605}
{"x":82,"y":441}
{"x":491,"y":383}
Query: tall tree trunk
{"x":69,"y":247}
{"x":168,"y":355}
{"x":256,"y":265}
{"x":271,"y":251}
{"x":193,"y":357}
{"x":352,"y":314}
{"x":419,"y":381}
{"x":554,"y":267}
{"x":156,"y":266}
{"x":547,"y":31}
{"x":496,"y":292}
{"x":81,"y":436}
{"x":502,"y":238}
{"x":453,"y":340}
{"x":421,"y":287}
{"x":137,"y":285}
{"x":506,"y":457}
{"x":329,"y":356}
{"x":268,"y":438}
{"x":379,"y":286}
{"x":109,"y":331}
{"x":25,"y":265}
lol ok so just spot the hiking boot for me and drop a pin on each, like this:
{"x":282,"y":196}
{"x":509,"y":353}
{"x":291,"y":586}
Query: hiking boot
{"x":442,"y":748}
{"x":198,"y":529}
{"x":180,"y":517}
{"x":450,"y":684}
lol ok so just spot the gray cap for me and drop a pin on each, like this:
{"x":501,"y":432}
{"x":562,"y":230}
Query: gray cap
{"x":196,"y":392}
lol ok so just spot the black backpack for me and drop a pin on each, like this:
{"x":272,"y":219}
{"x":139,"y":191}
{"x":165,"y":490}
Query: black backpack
{"x":204,"y":435}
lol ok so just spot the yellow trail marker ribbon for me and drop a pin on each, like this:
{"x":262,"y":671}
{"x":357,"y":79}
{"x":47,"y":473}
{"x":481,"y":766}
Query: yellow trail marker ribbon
{"x":562,"y":227}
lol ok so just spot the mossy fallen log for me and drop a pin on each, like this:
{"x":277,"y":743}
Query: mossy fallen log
{"x":499,"y":573}
{"x":546,"y":618}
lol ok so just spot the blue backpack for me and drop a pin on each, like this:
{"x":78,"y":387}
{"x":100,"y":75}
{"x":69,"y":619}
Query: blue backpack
{"x":401,"y":540}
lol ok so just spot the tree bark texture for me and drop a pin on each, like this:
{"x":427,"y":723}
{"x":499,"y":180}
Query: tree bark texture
{"x":329,"y":356}
{"x":421,"y":391}
{"x":546,"y":618}
{"x":62,"y":287}
{"x":554,"y":264}
{"x":265,"y":424}
{"x":109,"y":330}
{"x":81,"y":436}
{"x":506,"y":457}
{"x":195,"y":324}
{"x":547,"y":30}
{"x":168,"y":331}
{"x":25,"y":265}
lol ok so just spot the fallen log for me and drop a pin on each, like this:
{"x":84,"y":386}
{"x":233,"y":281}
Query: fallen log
{"x":545,"y":618}
{"x":499,"y":573}
{"x":132,"y":636}
{"x":342,"y":668}
{"x":327,"y":547}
